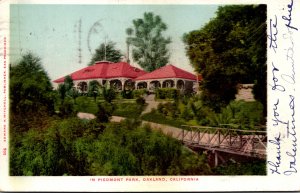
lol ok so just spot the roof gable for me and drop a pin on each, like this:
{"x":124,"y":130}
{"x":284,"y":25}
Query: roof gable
{"x":105,"y":70}
{"x":168,"y":71}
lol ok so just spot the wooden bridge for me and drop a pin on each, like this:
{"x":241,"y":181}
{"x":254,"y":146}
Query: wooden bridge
{"x":249,"y":143}
{"x":220,"y":143}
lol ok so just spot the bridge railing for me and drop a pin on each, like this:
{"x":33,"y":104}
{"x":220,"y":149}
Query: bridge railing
{"x":243,"y":142}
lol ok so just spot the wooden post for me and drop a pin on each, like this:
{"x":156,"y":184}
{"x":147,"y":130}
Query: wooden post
{"x":216,"y":158}
{"x":219,"y":137}
{"x":241,"y":140}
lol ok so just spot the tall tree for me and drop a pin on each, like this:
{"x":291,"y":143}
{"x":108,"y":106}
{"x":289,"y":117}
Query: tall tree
{"x":129,"y":32}
{"x":106,"y":51}
{"x":62,"y":92}
{"x":31,"y":95}
{"x":228,"y":50}
{"x":149,"y":45}
{"x":68,"y":82}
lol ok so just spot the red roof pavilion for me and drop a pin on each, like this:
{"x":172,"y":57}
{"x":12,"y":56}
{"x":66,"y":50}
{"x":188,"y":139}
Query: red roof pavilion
{"x":168,"y":71}
{"x":105,"y":70}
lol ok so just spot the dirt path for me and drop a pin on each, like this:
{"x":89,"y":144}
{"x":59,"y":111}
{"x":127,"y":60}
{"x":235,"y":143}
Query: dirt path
{"x":166,"y":129}
{"x":152,"y":104}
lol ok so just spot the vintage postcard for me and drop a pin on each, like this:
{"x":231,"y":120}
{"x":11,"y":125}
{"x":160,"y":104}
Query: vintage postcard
{"x":133,"y":95}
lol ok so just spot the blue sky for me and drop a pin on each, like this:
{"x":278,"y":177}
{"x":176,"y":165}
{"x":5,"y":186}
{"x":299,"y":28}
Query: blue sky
{"x":51,"y":31}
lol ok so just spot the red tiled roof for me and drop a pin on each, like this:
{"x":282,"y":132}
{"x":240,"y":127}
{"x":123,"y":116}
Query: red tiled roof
{"x":105,"y":70}
{"x":168,"y":71}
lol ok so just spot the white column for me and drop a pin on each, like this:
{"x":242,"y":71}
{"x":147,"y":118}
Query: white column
{"x":123,"y":84}
{"x":135,"y":85}
{"x":161,"y":83}
{"x":100,"y":81}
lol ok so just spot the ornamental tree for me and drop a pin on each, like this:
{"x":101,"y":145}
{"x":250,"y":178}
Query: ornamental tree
{"x":149,"y":44}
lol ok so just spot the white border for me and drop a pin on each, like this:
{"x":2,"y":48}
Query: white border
{"x":271,"y":182}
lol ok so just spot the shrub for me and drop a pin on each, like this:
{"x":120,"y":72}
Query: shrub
{"x":140,"y":101}
{"x":245,"y":114}
{"x":168,"y":109}
{"x":94,"y":89}
{"x":105,"y":111}
{"x":127,"y":94}
{"x":129,"y":110}
{"x":247,"y":168}
{"x":156,"y":117}
{"x":109,"y":94}
{"x":86,"y":104}
{"x":67,"y":108}
{"x":167,"y":93}
{"x":139,"y":93}
{"x":187,"y":114}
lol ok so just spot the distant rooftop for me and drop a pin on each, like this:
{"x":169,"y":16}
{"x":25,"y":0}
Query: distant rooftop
{"x":105,"y":70}
{"x":168,"y":71}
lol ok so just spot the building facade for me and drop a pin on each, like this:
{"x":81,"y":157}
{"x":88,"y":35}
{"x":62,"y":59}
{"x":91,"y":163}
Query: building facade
{"x":123,"y":76}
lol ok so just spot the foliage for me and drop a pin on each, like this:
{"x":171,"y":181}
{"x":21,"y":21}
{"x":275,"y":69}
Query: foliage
{"x":67,"y":90}
{"x":156,"y":117}
{"x":94,"y":87}
{"x":56,"y":150}
{"x":64,"y":105}
{"x":167,"y":93}
{"x":105,"y":111}
{"x":195,"y":110}
{"x":246,"y":115}
{"x":260,"y":88}
{"x":74,"y":94}
{"x":67,"y":108}
{"x":149,"y":45}
{"x":129,"y":110}
{"x":248,"y":168}
{"x":31,"y":95}
{"x":76,"y":147}
{"x":129,"y":32}
{"x":106,"y":52}
{"x":139,"y":151}
{"x":168,"y":109}
{"x":108,"y":93}
{"x":68,"y":82}
{"x":230,"y":49}
{"x":62,"y":90}
{"x":237,"y":114}
{"x":139,"y":93}
{"x":140,"y":101}
{"x":127,"y":94}
{"x":86,"y":104}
